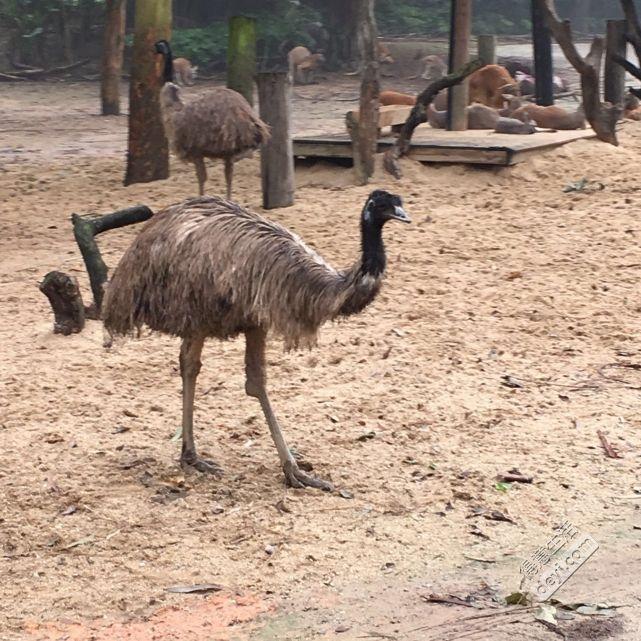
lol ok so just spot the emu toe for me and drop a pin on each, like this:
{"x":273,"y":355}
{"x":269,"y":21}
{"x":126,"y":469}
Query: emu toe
{"x":202,"y":465}
{"x":296,"y":478}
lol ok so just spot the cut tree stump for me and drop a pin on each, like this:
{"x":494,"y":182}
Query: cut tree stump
{"x":64,"y":295}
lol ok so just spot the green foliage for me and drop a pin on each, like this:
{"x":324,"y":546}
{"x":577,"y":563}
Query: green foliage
{"x":280,"y":24}
{"x":413,"y":16}
{"x":201,"y":46}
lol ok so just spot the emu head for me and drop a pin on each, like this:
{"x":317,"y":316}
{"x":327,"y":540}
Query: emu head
{"x":164,"y":60}
{"x":382,"y":206}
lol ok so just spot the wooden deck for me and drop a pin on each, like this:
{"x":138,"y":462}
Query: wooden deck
{"x":482,"y":147}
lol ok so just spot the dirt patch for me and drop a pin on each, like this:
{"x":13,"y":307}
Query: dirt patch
{"x":191,"y":620}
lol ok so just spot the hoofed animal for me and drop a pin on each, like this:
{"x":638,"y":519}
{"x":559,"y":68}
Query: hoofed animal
{"x":218,"y":124}
{"x":527,"y":84}
{"x":512,"y":103}
{"x":631,"y":106}
{"x":551,"y":117}
{"x":488,"y":84}
{"x":434,"y":67}
{"x":478,"y":117}
{"x":303,"y":65}
{"x":184,"y":72}
{"x":513,"y":126}
{"x":396,"y":98}
{"x":436,"y":118}
{"x":481,"y":117}
{"x":207,"y":268}
{"x":384,"y":54}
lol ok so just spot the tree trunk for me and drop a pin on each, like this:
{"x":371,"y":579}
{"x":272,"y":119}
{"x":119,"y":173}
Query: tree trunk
{"x":486,"y":47}
{"x":602,"y":117}
{"x":542,"y":45}
{"x":112,"y":54}
{"x":614,"y":74}
{"x":342,"y":25}
{"x":148,"y":149}
{"x":367,"y":137}
{"x":419,"y":114}
{"x":461,"y":29}
{"x":64,"y":295}
{"x":276,"y":156}
{"x":65,"y":34}
{"x":241,"y":56}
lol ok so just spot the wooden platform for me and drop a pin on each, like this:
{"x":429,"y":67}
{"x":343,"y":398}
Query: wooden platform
{"x":482,"y":147}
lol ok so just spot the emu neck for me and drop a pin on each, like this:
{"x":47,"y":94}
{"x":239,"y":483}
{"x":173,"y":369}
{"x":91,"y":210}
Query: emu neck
{"x":373,"y":262}
{"x":168,"y":72}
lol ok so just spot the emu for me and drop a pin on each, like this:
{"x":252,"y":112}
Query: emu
{"x":219,"y":124}
{"x":206,"y":267}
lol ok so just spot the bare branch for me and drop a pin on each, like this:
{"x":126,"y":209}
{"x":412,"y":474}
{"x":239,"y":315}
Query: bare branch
{"x":602,"y":117}
{"x":418,"y":114}
{"x":634,"y":27}
{"x":628,"y":66}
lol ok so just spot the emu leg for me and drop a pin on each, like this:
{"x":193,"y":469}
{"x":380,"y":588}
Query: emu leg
{"x":201,"y":174}
{"x":255,"y":386}
{"x":229,"y":175}
{"x":190,"y":351}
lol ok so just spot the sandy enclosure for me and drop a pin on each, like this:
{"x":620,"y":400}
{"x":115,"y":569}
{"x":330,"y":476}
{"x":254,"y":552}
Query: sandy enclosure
{"x":406,"y":406}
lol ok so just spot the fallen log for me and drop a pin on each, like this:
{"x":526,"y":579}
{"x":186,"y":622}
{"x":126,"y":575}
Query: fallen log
{"x":66,"y":301}
{"x":39,"y":74}
{"x":7,"y":77}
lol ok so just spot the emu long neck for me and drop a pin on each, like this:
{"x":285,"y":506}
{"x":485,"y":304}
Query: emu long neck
{"x":365,"y":277}
{"x":373,"y":250}
{"x":168,"y":72}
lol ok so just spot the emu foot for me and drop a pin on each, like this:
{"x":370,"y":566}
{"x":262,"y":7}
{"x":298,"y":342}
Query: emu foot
{"x":296,"y":478}
{"x":202,"y":465}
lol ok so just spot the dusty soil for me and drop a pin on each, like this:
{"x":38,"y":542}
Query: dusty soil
{"x":406,"y":406}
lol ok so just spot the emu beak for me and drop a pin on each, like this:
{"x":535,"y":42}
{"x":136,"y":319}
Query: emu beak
{"x":401,"y":214}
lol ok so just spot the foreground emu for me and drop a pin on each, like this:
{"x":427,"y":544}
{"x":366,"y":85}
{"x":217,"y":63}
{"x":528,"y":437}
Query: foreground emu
{"x":208,"y":268}
{"x":218,"y":124}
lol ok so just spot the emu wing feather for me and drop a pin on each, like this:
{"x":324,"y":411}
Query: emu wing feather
{"x":209,"y":267}
{"x":218,"y":124}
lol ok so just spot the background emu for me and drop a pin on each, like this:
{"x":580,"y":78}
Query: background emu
{"x":208,"y":268}
{"x":219,"y":124}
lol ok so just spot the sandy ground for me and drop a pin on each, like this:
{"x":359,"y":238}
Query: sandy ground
{"x":406,"y":406}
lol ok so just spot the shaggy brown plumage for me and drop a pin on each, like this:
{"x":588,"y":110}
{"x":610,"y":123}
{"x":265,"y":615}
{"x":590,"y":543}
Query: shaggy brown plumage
{"x":219,"y":124}
{"x":206,"y":267}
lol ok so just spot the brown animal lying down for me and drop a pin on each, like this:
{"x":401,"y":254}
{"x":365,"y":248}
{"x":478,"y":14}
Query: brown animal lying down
{"x":551,"y":117}
{"x":478,"y":117}
{"x":395,"y":98}
{"x":505,"y":125}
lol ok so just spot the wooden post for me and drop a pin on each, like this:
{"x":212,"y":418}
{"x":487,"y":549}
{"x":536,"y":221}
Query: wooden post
{"x":487,"y":49}
{"x":367,"y":137}
{"x":615,"y":45}
{"x":461,"y":26}
{"x":241,"y":56}
{"x":148,"y":150}
{"x":112,"y":53}
{"x":542,"y":45}
{"x":277,"y":155}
